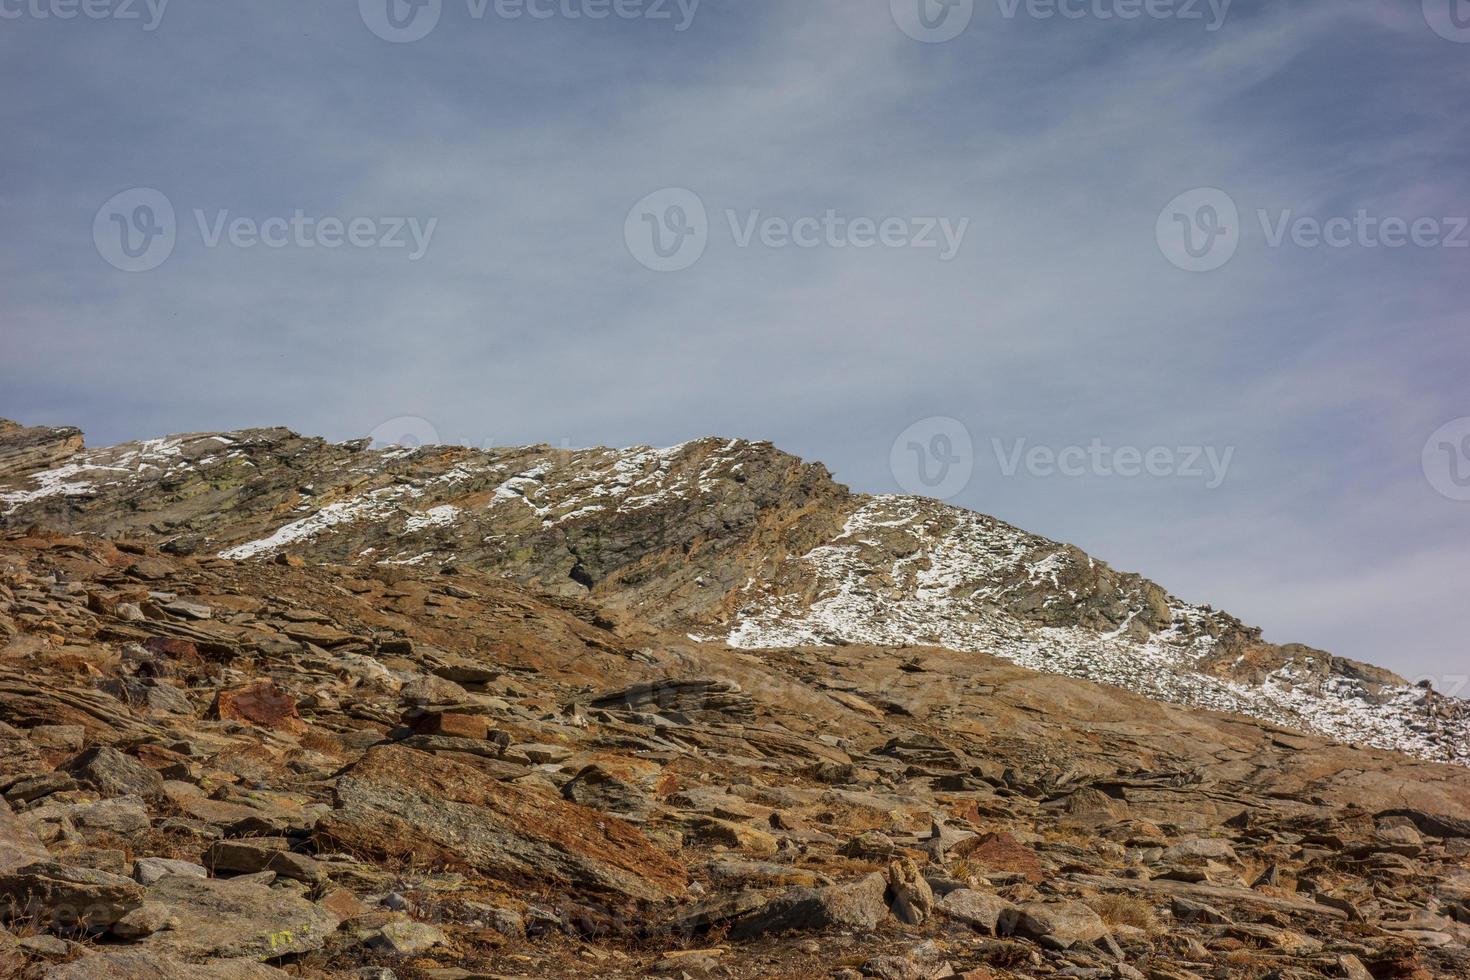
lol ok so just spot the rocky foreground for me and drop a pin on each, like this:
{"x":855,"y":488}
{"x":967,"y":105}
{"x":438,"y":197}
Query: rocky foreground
{"x":244,"y":769}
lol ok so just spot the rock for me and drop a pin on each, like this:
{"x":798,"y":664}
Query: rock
{"x":404,"y":937}
{"x":261,"y":854}
{"x":63,"y":898}
{"x":453,"y":724}
{"x":219,"y":918}
{"x":146,"y":871}
{"x":396,"y":800}
{"x":263,"y":705}
{"x":49,"y":947}
{"x":537,"y":754}
{"x":870,"y":845}
{"x":695,"y":697}
{"x":1203,"y":848}
{"x":1062,"y":923}
{"x":113,"y":774}
{"x":1089,"y":807}
{"x":67,"y":738}
{"x":894,"y":968}
{"x":27,"y":449}
{"x":144,"y":920}
{"x":910,"y":896}
{"x":134,"y":964}
{"x":858,"y":904}
{"x":612,"y":791}
{"x":189,"y":610}
{"x":1190,"y":912}
{"x":729,"y":833}
{"x":28,"y":790}
{"x":978,"y":910}
{"x":121,"y":816}
{"x":19,"y":845}
{"x":1000,"y":852}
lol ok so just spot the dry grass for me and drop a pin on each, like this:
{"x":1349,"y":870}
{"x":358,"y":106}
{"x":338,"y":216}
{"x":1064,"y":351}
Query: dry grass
{"x":1125,"y":910}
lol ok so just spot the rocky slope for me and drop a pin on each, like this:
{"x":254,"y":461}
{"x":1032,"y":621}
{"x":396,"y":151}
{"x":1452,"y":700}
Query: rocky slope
{"x":253,"y":769}
{"x":724,"y":540}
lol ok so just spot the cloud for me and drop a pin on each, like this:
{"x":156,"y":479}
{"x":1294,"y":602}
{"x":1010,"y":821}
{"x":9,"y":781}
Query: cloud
{"x":528,"y":320}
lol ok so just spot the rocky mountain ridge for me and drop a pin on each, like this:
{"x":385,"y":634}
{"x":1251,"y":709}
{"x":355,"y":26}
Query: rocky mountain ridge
{"x":725,"y":540}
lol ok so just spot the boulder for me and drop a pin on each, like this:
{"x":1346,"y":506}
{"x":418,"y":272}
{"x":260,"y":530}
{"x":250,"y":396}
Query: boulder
{"x":220,"y":918}
{"x":135,"y":964}
{"x":1206,"y":848}
{"x":910,"y":897}
{"x":396,"y":801}
{"x":144,"y":920}
{"x":978,"y":910}
{"x":146,"y":871}
{"x":63,"y":898}
{"x":999,"y":852}
{"x":19,"y":845}
{"x":261,"y":854}
{"x":404,"y":937}
{"x":113,"y":774}
{"x":860,"y":904}
{"x":1060,"y":923}
{"x":263,"y":705}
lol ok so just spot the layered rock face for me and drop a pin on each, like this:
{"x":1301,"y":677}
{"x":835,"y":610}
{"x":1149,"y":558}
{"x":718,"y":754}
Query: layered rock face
{"x":730,"y":541}
{"x":28,"y":449}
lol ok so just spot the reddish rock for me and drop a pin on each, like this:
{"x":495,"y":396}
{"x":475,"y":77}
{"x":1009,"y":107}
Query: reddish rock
{"x":263,"y":705}
{"x":454,"y":725}
{"x":1000,"y":852}
{"x":399,"y":802}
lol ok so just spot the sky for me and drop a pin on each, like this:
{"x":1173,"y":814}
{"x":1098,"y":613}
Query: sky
{"x":1182,"y":283}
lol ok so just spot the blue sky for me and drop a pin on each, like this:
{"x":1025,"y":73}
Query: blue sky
{"x":520,"y":147}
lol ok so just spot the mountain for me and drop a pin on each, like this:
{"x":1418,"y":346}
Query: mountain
{"x":273,"y":707}
{"x":725,"y":540}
